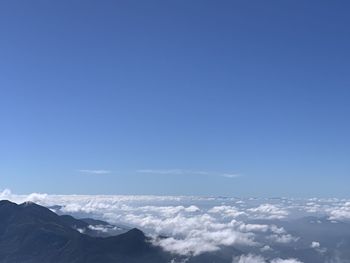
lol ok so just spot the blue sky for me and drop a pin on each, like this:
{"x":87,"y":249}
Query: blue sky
{"x":236,"y":98}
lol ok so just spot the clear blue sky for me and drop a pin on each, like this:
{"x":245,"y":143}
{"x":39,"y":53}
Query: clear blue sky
{"x":167,"y":97}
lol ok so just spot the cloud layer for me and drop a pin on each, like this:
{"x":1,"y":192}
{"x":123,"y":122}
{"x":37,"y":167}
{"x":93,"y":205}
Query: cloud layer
{"x":195,"y":225}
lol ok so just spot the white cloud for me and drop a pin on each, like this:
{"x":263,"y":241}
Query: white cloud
{"x":249,"y":259}
{"x":5,"y":194}
{"x":87,"y":171}
{"x":258,"y":259}
{"x":35,"y":197}
{"x":290,"y":260}
{"x":340,"y":212}
{"x":253,"y":228}
{"x":191,"y":234}
{"x":227,"y":175}
{"x":103,"y":228}
{"x":225,"y":210}
{"x":199,"y":241}
{"x":277,"y":230}
{"x":268,"y":211}
{"x":315,"y":244}
{"x":284,"y":238}
{"x":172,"y":171}
{"x":265,"y":248}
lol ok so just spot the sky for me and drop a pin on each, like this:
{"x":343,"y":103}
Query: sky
{"x":223,"y":98}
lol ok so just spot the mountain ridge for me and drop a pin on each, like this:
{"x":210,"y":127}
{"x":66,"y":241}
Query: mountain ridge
{"x":31,"y":233}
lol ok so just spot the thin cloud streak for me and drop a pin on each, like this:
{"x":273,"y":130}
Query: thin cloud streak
{"x":171,"y":171}
{"x":100,"y":172}
{"x":231,"y":175}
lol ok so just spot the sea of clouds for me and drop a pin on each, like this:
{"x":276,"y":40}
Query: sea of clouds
{"x":191,"y":225}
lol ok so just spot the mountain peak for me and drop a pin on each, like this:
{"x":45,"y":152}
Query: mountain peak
{"x":27,"y":203}
{"x":136,"y":232}
{"x":7,"y":203}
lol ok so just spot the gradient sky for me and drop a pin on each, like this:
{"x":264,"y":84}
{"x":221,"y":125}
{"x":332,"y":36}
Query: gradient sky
{"x":235,"y":98}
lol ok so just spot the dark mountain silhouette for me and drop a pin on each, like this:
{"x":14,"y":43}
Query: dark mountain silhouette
{"x":30,"y":233}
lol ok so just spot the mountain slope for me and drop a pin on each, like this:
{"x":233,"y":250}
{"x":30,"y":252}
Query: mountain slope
{"x":31,"y":233}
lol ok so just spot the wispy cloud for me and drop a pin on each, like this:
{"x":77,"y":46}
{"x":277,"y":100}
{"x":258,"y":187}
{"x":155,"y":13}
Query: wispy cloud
{"x":88,"y":171}
{"x":171,"y":171}
{"x":229,"y":175}
{"x":186,"y":172}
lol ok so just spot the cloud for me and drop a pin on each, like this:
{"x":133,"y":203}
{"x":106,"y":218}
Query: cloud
{"x":200,"y":241}
{"x":290,"y":260}
{"x":283,"y":239}
{"x":191,"y":224}
{"x":172,"y":172}
{"x":340,"y":212}
{"x":265,"y":248}
{"x":230,"y":175}
{"x":190,"y":234}
{"x":315,"y":244}
{"x":249,"y":259}
{"x":258,"y":259}
{"x":228,"y":211}
{"x":5,"y":194}
{"x":268,"y":211}
{"x":35,"y":197}
{"x":87,"y":171}
{"x":103,"y":228}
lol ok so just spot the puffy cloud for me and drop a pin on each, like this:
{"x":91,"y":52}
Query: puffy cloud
{"x":192,"y":235}
{"x":284,"y":238}
{"x":315,"y":244}
{"x":268,"y":211}
{"x":5,"y":194}
{"x":199,"y":241}
{"x":225,"y":210}
{"x":253,"y":227}
{"x":265,"y":248}
{"x":340,"y":212}
{"x":277,"y":230}
{"x":35,"y":197}
{"x":249,"y":259}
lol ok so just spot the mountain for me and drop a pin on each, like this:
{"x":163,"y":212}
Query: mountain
{"x":92,"y":227}
{"x":30,"y":233}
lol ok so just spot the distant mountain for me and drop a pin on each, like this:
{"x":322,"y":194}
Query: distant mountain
{"x":92,"y":227}
{"x":30,"y":233}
